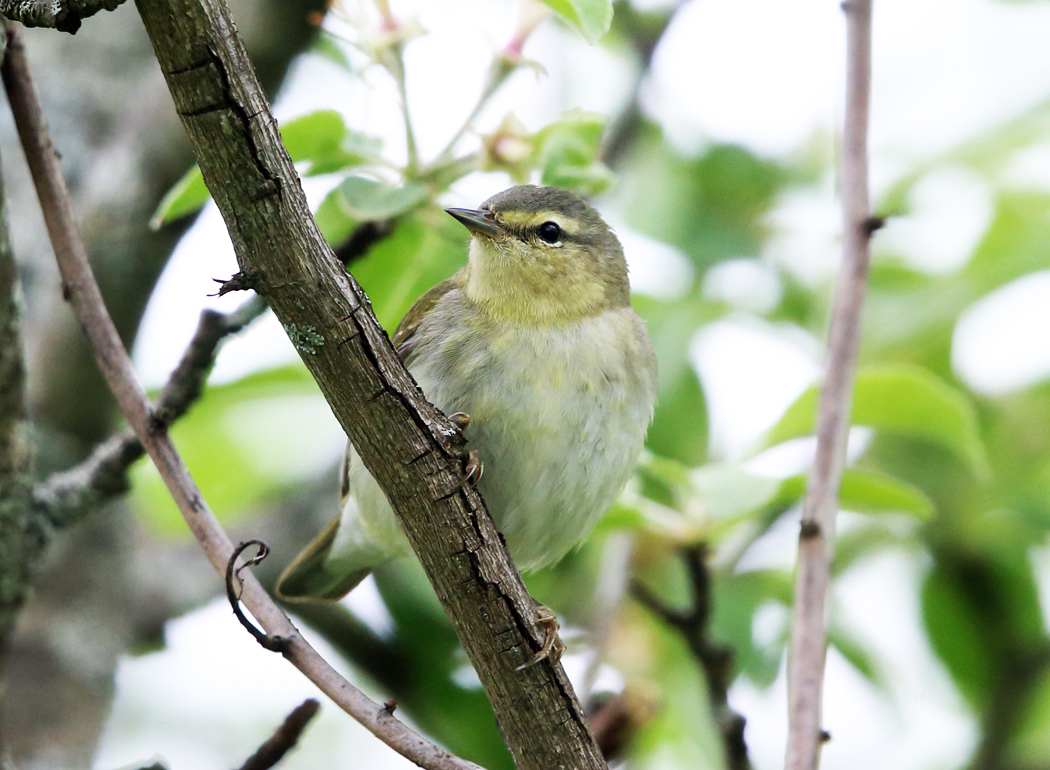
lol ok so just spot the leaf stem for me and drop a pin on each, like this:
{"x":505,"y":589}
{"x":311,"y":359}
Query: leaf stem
{"x":397,"y":69}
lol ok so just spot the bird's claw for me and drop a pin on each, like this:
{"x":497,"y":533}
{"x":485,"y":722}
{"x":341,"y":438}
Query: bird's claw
{"x":552,"y":646}
{"x":461,"y":420}
{"x":473,"y":470}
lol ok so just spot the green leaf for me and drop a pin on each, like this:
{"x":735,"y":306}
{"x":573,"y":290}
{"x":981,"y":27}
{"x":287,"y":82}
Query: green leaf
{"x":737,"y":597}
{"x":314,"y":135}
{"x":903,"y":399}
{"x":728,"y":491}
{"x":186,"y":197}
{"x":868,"y":492}
{"x":592,"y":18}
{"x":322,"y":139}
{"x":712,"y":207}
{"x":679,"y":428}
{"x":364,"y":198}
{"x":245,"y":442}
{"x":958,"y":635}
{"x":859,"y":543}
{"x":426,"y":248}
{"x":857,"y":655}
{"x":327,"y":48}
{"x":682,"y":732}
{"x":335,"y":224}
{"x":620,"y":516}
{"x":1031,"y":745}
{"x":566,"y":152}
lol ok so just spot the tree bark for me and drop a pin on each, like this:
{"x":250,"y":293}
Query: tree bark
{"x":404,"y":442}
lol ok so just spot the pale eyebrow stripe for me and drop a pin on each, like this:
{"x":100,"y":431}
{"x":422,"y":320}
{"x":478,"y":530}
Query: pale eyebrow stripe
{"x":524,"y":221}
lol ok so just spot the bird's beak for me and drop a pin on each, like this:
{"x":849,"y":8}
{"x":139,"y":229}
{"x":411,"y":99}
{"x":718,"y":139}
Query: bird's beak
{"x":478,"y":222}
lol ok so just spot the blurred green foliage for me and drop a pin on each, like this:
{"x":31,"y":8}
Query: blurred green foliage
{"x":956,"y":478}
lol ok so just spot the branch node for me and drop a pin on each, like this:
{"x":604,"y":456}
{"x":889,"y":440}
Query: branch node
{"x":239,"y":281}
{"x":159,"y":420}
{"x":872,"y":225}
{"x":809,"y":530}
{"x":233,"y":573}
{"x":389,"y":707}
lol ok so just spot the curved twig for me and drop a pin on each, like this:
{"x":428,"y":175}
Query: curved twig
{"x":235,"y":586}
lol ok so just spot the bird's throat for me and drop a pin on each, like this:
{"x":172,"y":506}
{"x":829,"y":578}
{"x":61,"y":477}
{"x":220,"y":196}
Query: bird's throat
{"x":522,"y":288}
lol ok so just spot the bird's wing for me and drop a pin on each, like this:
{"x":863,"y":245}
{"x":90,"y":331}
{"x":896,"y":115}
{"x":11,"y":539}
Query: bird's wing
{"x":404,"y":338}
{"x":307,"y":578}
{"x":402,"y":342}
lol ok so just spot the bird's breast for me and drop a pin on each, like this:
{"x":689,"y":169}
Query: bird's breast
{"x":558,"y":416}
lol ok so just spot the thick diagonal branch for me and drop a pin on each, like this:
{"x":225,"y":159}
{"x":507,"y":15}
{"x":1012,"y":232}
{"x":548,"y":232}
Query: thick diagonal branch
{"x":403,"y":441}
{"x":817,"y":538}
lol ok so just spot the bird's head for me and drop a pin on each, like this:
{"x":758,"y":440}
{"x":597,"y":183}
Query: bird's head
{"x":542,"y":256}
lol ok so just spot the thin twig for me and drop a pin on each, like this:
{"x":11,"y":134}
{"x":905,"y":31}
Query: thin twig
{"x":817,"y":538}
{"x":715,"y":659}
{"x":63,"y":15}
{"x":394,"y":61}
{"x":115,"y":365}
{"x":284,"y":739}
{"x":398,"y":67}
{"x":64,"y":497}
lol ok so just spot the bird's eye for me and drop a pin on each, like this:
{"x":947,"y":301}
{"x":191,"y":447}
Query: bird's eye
{"x":550,"y":232}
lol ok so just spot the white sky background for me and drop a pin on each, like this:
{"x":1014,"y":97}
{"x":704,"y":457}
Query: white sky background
{"x":762,"y":73}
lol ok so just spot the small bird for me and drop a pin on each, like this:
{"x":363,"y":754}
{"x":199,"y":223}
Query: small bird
{"x":536,"y":349}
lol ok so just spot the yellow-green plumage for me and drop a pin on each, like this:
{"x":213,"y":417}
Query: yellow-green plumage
{"x":535,"y":339}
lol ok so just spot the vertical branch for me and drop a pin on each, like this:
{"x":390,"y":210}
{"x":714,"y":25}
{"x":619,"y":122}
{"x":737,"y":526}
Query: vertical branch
{"x":817,"y":536}
{"x":20,"y":544}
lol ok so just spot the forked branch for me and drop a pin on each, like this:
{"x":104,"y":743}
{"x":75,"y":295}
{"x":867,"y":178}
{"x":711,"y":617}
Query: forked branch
{"x":115,"y":364}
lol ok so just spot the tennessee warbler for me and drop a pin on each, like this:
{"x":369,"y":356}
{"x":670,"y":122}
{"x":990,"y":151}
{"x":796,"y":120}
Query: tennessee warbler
{"x":536,"y":341}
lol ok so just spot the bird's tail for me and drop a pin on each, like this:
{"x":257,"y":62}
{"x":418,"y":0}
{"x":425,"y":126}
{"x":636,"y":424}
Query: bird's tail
{"x":321,"y":573}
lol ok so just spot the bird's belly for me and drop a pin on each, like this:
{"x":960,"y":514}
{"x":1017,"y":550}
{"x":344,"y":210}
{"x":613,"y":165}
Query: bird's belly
{"x":558,"y":424}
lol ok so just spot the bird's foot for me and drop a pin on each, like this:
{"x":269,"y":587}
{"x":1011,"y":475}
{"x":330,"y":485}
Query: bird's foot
{"x":461,"y":420}
{"x":472,"y":470}
{"x":473,"y":467}
{"x":552,"y":646}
